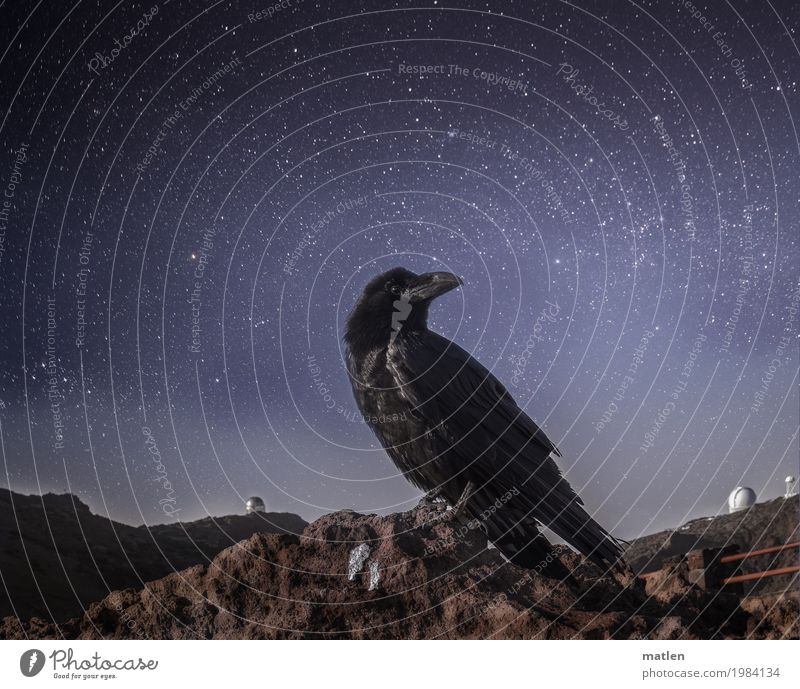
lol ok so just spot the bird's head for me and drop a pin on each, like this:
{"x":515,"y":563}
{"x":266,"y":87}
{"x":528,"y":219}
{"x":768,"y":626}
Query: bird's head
{"x":392,"y":301}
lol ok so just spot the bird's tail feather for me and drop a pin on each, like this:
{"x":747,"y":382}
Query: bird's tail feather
{"x":570,"y":521}
{"x":516,"y":529}
{"x":537,"y":554}
{"x":519,"y":539}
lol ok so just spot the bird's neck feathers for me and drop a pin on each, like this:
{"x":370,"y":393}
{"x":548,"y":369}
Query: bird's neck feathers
{"x":368,"y":330}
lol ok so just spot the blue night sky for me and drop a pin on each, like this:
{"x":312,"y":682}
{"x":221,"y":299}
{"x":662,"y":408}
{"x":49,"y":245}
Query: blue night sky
{"x":194,"y":194}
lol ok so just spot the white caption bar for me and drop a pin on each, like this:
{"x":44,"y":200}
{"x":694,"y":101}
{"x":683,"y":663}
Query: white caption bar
{"x":389,"y":664}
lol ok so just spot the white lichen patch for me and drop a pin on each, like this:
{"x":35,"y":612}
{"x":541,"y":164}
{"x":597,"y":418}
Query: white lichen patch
{"x":374,"y":575}
{"x":358,"y":556}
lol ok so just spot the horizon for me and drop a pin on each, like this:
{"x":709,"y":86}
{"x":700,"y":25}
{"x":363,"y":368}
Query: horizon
{"x":100,"y":513}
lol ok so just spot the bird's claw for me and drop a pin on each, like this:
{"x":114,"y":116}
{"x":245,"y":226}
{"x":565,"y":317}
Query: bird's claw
{"x":433,"y":500}
{"x":458,"y":509}
{"x":431,"y":495}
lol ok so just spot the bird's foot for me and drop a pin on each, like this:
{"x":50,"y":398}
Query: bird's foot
{"x":433,"y":495}
{"x":458,"y":509}
{"x":433,"y":498}
{"x":434,"y":505}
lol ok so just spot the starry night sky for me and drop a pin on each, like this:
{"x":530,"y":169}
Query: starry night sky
{"x":194,"y":194}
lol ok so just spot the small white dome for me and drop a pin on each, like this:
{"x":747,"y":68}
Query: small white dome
{"x":741,"y":498}
{"x":254,"y":504}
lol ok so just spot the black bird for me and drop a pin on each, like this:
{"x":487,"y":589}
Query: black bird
{"x":460,"y":435}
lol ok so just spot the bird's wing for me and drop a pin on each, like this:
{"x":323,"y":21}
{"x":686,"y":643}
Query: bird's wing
{"x":478,"y":416}
{"x":491,"y":436}
{"x":453,"y":388}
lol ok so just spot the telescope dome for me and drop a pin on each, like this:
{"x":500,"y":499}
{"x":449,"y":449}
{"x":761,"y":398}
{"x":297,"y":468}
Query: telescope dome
{"x":741,"y":498}
{"x":254,"y":504}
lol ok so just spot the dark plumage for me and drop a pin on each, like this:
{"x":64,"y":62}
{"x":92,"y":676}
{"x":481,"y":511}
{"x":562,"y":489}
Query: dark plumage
{"x":460,"y":427}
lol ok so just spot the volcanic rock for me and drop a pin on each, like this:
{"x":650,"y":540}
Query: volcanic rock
{"x":56,"y":557}
{"x":437,"y":579}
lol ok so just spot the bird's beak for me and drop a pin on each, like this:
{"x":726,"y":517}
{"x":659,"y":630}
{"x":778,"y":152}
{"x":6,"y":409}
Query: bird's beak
{"x":432,"y":285}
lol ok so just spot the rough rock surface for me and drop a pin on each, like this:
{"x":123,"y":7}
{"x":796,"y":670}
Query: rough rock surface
{"x":422,"y":576}
{"x":725,"y":614}
{"x":93,"y":555}
{"x":765,"y":524}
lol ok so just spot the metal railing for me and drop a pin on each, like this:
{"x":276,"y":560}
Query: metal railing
{"x":713,"y":567}
{"x":754,"y":576}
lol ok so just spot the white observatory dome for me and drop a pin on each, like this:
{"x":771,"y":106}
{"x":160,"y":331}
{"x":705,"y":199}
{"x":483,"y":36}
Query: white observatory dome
{"x":791,"y":487}
{"x":741,"y":498}
{"x":254,"y":504}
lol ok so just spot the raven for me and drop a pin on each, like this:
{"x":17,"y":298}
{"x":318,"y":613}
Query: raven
{"x":460,"y":435}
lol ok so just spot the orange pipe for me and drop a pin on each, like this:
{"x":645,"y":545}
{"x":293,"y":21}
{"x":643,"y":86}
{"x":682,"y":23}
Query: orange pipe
{"x":761,"y":575}
{"x":762,"y":551}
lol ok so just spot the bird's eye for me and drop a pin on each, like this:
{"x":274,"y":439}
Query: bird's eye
{"x":392,"y":288}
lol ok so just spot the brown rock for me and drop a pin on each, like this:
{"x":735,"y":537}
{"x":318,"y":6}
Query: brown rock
{"x":437,"y":579}
{"x":56,"y":557}
{"x":763,"y":525}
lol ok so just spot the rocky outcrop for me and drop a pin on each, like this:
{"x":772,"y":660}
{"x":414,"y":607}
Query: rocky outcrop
{"x":56,"y":557}
{"x":723,"y":613}
{"x":414,"y":574}
{"x":763,"y":525}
